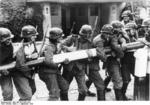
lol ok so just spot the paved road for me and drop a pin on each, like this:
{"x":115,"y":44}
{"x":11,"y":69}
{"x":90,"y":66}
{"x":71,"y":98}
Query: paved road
{"x":42,"y":93}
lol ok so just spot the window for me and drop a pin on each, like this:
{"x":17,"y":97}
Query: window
{"x":81,"y":11}
{"x":54,"y":10}
{"x":94,"y":11}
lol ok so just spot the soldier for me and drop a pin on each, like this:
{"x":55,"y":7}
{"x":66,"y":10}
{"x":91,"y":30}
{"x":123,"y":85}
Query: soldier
{"x":126,"y":17}
{"x":6,"y":56}
{"x":117,"y":44}
{"x":24,"y":75}
{"x":74,"y":69}
{"x":92,"y":64}
{"x":89,"y":66}
{"x":49,"y":71}
{"x":131,"y":29}
{"x":128,"y":61}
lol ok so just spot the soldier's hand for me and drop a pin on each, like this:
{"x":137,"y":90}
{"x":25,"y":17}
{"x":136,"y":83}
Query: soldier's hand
{"x":64,"y":47}
{"x":59,"y":48}
{"x":89,"y":53}
{"x":34,"y":56}
{"x":66,"y":61}
{"x":5,"y":72}
{"x":113,"y":54}
{"x":124,"y":47}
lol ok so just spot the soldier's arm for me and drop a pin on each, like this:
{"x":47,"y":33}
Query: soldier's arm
{"x":48,"y":54}
{"x":122,"y":41}
{"x":99,"y":45}
{"x":67,"y":44}
{"x":117,"y":47}
{"x":67,"y":41}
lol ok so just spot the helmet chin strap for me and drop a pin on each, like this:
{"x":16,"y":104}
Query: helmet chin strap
{"x":27,"y":39}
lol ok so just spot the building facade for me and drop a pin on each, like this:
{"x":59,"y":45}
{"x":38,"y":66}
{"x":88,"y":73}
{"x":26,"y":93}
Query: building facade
{"x":69,"y":13}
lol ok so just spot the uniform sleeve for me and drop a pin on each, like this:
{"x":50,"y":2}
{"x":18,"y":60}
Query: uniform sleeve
{"x":67,"y":41}
{"x":116,"y":47}
{"x":99,"y":45}
{"x":122,"y":41}
{"x":68,"y":44}
{"x":48,"y":53}
{"x":21,"y":60}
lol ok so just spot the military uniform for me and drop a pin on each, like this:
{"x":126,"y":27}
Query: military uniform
{"x":6,"y":56}
{"x":91,"y":66}
{"x":74,"y":69}
{"x":113,"y":61}
{"x":24,"y":75}
{"x":128,"y":61}
{"x":49,"y":72}
{"x":126,"y":17}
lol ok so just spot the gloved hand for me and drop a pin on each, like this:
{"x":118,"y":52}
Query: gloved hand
{"x":66,"y":61}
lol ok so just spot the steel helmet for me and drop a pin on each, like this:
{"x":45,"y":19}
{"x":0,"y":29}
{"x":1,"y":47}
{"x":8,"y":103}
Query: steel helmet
{"x":55,"y":33}
{"x":146,"y":22}
{"x":107,"y":28}
{"x":85,"y":29}
{"x":126,"y":13}
{"x":5,"y":34}
{"x":117,"y":24}
{"x":28,"y":31}
{"x":130,"y":25}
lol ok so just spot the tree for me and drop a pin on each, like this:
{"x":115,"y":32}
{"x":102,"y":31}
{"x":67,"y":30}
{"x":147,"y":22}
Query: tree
{"x":14,"y":14}
{"x":17,"y":14}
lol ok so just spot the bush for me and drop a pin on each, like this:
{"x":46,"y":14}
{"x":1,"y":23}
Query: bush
{"x":16,"y":16}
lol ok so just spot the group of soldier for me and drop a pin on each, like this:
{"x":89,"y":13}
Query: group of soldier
{"x":119,"y":63}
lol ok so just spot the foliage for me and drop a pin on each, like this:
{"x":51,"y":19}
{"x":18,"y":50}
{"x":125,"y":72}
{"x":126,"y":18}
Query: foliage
{"x":13,"y":14}
{"x":36,"y":18}
{"x":16,"y":16}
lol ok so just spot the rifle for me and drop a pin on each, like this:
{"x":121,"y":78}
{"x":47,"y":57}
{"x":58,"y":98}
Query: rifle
{"x":43,"y":41}
{"x":133,"y":14}
{"x":71,"y":31}
{"x":94,"y":28}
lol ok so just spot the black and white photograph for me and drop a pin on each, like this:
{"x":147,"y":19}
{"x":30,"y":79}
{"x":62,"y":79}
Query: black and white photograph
{"x":74,"y":50}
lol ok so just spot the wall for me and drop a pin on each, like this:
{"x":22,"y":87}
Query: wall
{"x":56,"y":15}
{"x":93,"y":17}
{"x":47,"y":18}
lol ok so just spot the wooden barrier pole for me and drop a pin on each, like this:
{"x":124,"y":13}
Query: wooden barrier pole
{"x":130,"y":46}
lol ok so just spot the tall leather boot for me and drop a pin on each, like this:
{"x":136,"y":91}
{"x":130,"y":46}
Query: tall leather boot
{"x":53,"y":98}
{"x":124,"y":89}
{"x":64,"y":96}
{"x":106,"y":82}
{"x":100,"y":94}
{"x":81,"y":97}
{"x":118,"y":94}
{"x":89,"y":93}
